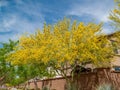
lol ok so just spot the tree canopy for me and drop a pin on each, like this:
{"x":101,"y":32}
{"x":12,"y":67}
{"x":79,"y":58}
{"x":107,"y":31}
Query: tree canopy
{"x":115,"y":15}
{"x":64,"y":42}
{"x":6,"y":69}
{"x":115,"y":22}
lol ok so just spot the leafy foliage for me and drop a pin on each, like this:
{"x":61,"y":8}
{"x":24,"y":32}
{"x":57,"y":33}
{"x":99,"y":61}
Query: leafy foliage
{"x":115,"y":18}
{"x":64,"y":43}
{"x":6,"y":70}
{"x":105,"y":87}
{"x":115,"y":15}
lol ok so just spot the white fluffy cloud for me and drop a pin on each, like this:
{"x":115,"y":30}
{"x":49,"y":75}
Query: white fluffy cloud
{"x":14,"y":26}
{"x":19,"y":19}
{"x":99,"y":9}
{"x":21,"y":16}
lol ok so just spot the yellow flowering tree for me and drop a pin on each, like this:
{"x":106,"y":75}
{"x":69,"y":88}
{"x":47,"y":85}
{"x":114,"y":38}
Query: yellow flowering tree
{"x":115,"y":15}
{"x":63,"y":45}
{"x":115,"y":18}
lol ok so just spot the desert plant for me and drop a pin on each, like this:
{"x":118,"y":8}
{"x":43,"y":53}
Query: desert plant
{"x":45,"y":88}
{"x":105,"y":87}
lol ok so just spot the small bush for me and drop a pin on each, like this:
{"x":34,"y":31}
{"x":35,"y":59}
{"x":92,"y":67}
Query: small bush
{"x":45,"y":88}
{"x":105,"y":87}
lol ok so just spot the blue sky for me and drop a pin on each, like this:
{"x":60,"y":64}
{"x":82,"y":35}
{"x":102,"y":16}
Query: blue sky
{"x":20,"y":16}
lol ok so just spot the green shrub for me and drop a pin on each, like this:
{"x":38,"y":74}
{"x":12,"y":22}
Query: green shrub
{"x":45,"y":88}
{"x":105,"y":87}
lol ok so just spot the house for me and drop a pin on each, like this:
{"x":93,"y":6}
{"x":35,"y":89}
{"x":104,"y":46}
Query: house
{"x":116,"y":42}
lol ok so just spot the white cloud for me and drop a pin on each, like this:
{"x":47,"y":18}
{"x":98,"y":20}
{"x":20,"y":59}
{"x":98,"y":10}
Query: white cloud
{"x":23,"y":19}
{"x":27,"y":16}
{"x":19,"y":1}
{"x":18,"y":26}
{"x":98,"y":9}
{"x":7,"y":23}
{"x":3,"y":3}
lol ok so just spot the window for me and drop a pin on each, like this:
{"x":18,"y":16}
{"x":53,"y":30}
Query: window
{"x":117,"y":68}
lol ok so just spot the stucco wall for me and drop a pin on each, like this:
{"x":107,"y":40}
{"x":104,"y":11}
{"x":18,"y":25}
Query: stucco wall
{"x":84,"y":81}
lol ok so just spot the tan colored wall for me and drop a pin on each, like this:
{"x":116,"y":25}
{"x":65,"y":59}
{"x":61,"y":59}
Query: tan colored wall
{"x":59,"y":85}
{"x":54,"y":84}
{"x":39,"y":84}
{"x":84,"y":81}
